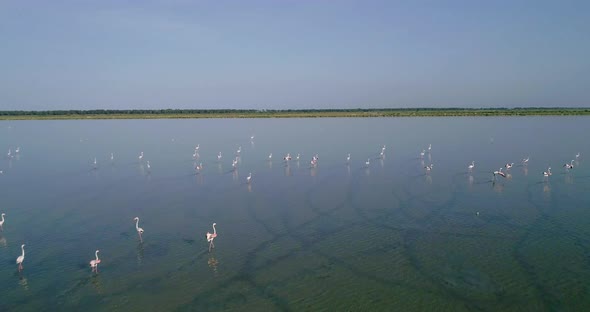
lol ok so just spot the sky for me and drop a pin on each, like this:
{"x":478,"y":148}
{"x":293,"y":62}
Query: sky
{"x":293,"y":54}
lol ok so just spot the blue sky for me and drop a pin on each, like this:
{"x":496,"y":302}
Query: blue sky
{"x":293,"y":54}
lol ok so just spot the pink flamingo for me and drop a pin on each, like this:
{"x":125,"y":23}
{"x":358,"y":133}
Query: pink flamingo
{"x":94,"y":263}
{"x":21,"y":258}
{"x":211,"y":237}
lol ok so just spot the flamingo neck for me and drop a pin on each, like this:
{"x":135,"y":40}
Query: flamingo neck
{"x":137,"y":224}
{"x":23,"y":249}
{"x":96,"y":254}
{"x":2,"y":218}
{"x":214,"y":230}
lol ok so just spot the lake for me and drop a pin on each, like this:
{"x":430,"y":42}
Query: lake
{"x":339,"y":236}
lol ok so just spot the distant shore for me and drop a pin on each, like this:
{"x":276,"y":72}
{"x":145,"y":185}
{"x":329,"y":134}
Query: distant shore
{"x":319,"y":113}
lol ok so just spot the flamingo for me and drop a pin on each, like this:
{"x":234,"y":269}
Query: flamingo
{"x":270,"y":156}
{"x":298,"y":156}
{"x":570,"y":165}
{"x":287,"y":157}
{"x":94,"y":263}
{"x":17,"y":150}
{"x":9,"y":154}
{"x":578,"y":155}
{"x":252,"y":138}
{"x":525,"y":160}
{"x":470,"y":167}
{"x":348,"y":158}
{"x":195,"y":153}
{"x":219,"y":156}
{"x":211,"y":237}
{"x":509,"y":165}
{"x":2,"y":222}
{"x":547,"y":173}
{"x":139,"y":230}
{"x":500,"y":173}
{"x":422,"y":153}
{"x":239,"y":150}
{"x":149,"y":167}
{"x":21,"y":258}
{"x":429,"y":167}
{"x":382,"y":154}
{"x":368,"y":162}
{"x":140,"y":156}
{"x":199,"y":167}
{"x":429,"y":147}
{"x":249,"y":178}
{"x":95,"y":163}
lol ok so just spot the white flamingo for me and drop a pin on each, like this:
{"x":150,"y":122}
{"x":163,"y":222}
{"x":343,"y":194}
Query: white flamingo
{"x":509,"y":165}
{"x":348,"y":158}
{"x":547,"y":173}
{"x":578,"y":155}
{"x":500,"y":173}
{"x":219,"y":156}
{"x":429,"y":167}
{"x":570,"y":165}
{"x":21,"y":258}
{"x":239,"y":150}
{"x":197,"y":147}
{"x":140,"y":156}
{"x":17,"y":150}
{"x":525,"y":160}
{"x":9,"y":154}
{"x":149,"y":167}
{"x":94,"y":263}
{"x":367,"y":163}
{"x":249,"y":178}
{"x":211,"y":237}
{"x":138,"y":229}
{"x":195,"y":154}
{"x":429,"y":148}
{"x":471,"y":166}
{"x":2,"y":222}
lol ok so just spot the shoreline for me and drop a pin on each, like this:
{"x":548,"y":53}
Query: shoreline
{"x":368,"y":113}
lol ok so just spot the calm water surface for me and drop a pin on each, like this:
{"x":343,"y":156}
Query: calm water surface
{"x":334,"y":237}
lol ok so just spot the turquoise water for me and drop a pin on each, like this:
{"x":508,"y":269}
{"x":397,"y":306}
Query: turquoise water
{"x":339,"y":237}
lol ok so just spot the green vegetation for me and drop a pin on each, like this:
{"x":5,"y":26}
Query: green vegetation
{"x":289,"y":113}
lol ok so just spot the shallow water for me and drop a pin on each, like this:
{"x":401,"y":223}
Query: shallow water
{"x":334,"y":237}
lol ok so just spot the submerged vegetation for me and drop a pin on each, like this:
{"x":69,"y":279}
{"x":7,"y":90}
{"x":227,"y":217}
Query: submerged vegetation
{"x":288,"y":113}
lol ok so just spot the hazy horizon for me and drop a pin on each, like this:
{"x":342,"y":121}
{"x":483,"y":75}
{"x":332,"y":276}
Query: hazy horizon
{"x":65,"y":55}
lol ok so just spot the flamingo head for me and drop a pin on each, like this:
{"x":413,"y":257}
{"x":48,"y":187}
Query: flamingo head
{"x":97,"y":251}
{"x":22,"y":246}
{"x":214,"y":224}
{"x":136,"y":219}
{"x":3,"y":214}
